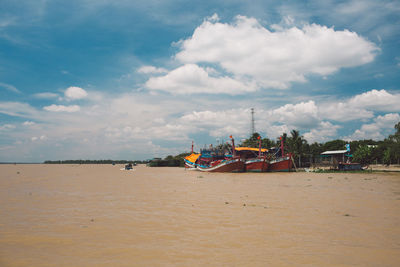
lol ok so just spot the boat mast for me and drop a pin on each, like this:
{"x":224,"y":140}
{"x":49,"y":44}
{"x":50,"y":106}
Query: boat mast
{"x":233,"y":147}
{"x":281,"y":145}
{"x":253,"y":130}
{"x":259,"y":146}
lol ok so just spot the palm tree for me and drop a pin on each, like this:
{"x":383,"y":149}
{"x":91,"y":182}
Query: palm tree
{"x":296,"y":144}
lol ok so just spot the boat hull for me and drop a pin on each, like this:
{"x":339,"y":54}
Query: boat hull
{"x":232,"y":165}
{"x":189,"y":165}
{"x":256,"y":165}
{"x":283,"y":164}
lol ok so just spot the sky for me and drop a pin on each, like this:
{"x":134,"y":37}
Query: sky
{"x":102,"y":79}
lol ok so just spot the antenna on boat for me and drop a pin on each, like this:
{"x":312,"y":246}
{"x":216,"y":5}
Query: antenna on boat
{"x":252,"y":122}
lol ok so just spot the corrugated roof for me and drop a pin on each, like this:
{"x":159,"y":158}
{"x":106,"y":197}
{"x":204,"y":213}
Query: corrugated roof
{"x":334,"y":152}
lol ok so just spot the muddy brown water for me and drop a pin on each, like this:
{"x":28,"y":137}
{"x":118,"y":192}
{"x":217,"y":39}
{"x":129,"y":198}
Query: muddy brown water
{"x":99,"y":215}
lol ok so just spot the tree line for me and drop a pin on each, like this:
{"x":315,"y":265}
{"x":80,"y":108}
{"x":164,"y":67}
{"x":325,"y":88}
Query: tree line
{"x":169,"y":161}
{"x":366,"y":151}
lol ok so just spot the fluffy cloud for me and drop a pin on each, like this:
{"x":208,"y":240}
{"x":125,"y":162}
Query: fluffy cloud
{"x":116,"y":125}
{"x":343,"y":111}
{"x":302,"y":115}
{"x":378,"y":130}
{"x":274,"y":59}
{"x":73,"y":93}
{"x":191,"y":78}
{"x":324,"y":132}
{"x":62,"y":108}
{"x":361,"y":106}
{"x":377,"y":100}
{"x":151,"y":69}
{"x":219,"y":123}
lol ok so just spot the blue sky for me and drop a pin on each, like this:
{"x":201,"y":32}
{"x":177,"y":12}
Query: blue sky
{"x":142,"y":79}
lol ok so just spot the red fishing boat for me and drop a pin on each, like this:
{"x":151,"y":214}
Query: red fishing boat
{"x":225,"y":165}
{"x":213,"y":160}
{"x":281,"y":163}
{"x":255,"y":159}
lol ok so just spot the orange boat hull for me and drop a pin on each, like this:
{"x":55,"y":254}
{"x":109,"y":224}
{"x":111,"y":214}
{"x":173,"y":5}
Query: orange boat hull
{"x":283,"y":164}
{"x":256,"y":165}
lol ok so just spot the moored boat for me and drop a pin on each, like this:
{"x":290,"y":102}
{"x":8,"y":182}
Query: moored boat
{"x":281,"y":162}
{"x":224,"y":165}
{"x":190,"y":161}
{"x":215,"y":160}
{"x":256,"y":165}
{"x":255,"y":159}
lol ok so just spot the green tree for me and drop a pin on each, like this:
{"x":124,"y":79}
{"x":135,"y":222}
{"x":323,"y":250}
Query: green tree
{"x":252,"y":141}
{"x":363,"y":155}
{"x":334,"y":145}
{"x":297,"y":145}
{"x":387,"y":156}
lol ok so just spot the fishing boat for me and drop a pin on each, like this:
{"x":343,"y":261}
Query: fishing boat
{"x":225,"y":165}
{"x":255,"y":159}
{"x":216,"y":160}
{"x":190,"y":161}
{"x":281,"y":162}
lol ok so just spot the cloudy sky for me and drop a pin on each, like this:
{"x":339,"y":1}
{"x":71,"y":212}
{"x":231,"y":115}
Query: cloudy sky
{"x":89,"y":79}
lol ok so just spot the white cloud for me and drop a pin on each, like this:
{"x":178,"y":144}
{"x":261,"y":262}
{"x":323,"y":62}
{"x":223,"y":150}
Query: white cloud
{"x":131,"y":124}
{"x":343,"y":111}
{"x":218,"y":123}
{"x":28,"y":123}
{"x":378,"y":130}
{"x":45,"y":95}
{"x":7,"y":127}
{"x":302,"y":115}
{"x":74,"y":93}
{"x":18,"y":109}
{"x":10,"y":88}
{"x":274,"y":131}
{"x":377,"y":100}
{"x":324,"y":132}
{"x":190,"y":78}
{"x":39,"y":138}
{"x":151,"y":69}
{"x":274,"y":59}
{"x":360,"y":106}
{"x":62,"y":108}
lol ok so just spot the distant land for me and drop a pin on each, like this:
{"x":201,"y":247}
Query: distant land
{"x":101,"y":161}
